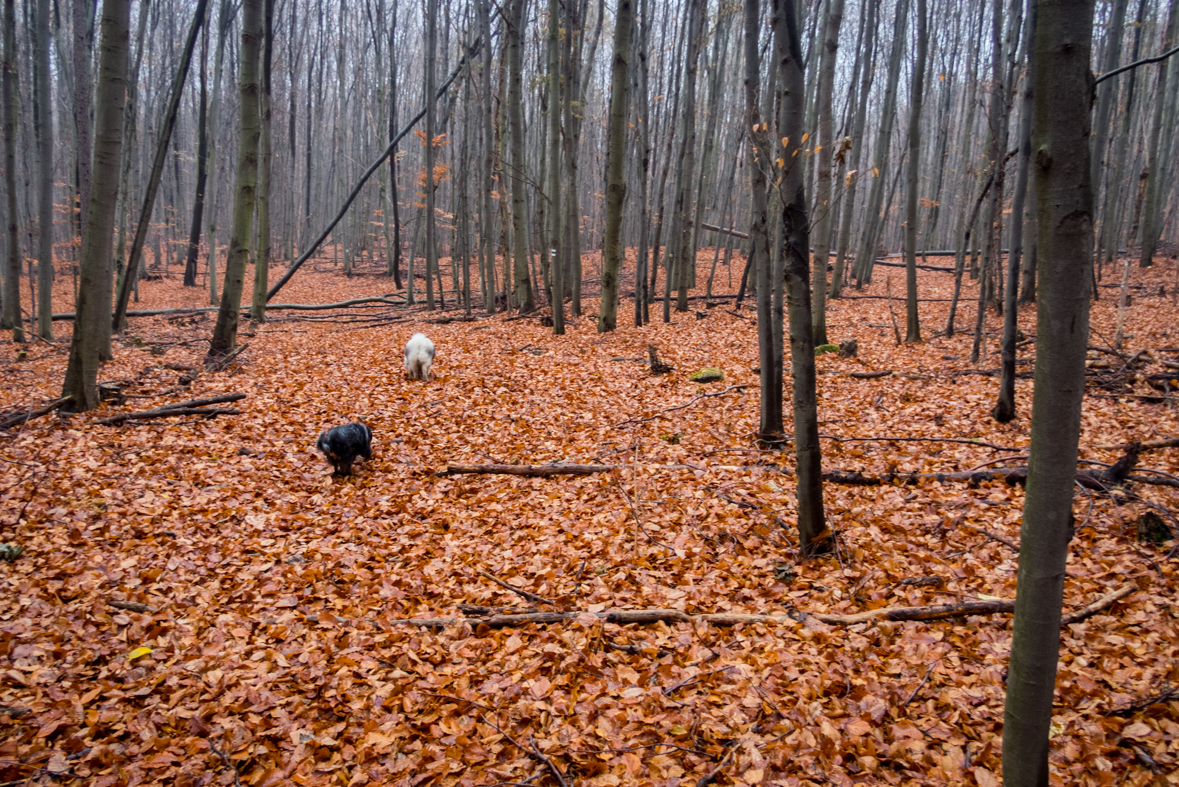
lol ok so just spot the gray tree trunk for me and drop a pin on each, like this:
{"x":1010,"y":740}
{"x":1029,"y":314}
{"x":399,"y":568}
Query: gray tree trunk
{"x":1155,"y":154}
{"x":12,"y":310}
{"x":912,"y":210}
{"x":249,"y":136}
{"x":44,"y":128}
{"x":559,"y":264}
{"x":92,"y":320}
{"x":865,"y":59}
{"x":262,"y":266}
{"x":874,"y":220}
{"x":487,"y":247}
{"x":1064,"y":199}
{"x":613,"y":250}
{"x":1004,"y":409}
{"x":825,"y":200}
{"x":642,"y":111}
{"x":82,"y":12}
{"x":812,"y":531}
{"x":198,"y":202}
{"x":431,"y":121}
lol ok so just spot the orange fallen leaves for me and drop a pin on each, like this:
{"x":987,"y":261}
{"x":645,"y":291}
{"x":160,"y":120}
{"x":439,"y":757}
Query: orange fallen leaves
{"x":268,"y":584}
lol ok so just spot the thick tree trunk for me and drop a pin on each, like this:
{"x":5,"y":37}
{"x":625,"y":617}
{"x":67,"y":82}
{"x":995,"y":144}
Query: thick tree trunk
{"x":82,"y":17}
{"x":613,"y":250}
{"x":12,"y":305}
{"x":916,"y":97}
{"x":812,"y":531}
{"x":43,"y":115}
{"x":92,"y":321}
{"x":1065,"y":203}
{"x":683,"y":260}
{"x":521,"y":285}
{"x":249,"y":135}
{"x":559,"y":260}
{"x":262,"y":255}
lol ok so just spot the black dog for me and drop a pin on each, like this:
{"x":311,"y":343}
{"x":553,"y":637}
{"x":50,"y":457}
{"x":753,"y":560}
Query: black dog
{"x":342,"y":444}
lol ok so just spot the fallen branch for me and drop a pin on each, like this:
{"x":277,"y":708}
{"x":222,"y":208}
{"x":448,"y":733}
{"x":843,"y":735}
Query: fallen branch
{"x":519,"y":591}
{"x":191,"y":407}
{"x":217,"y":363}
{"x":531,"y":471}
{"x":962,"y":440}
{"x":130,"y":606}
{"x":1166,"y":442}
{"x":992,"y":536}
{"x":651,"y":616}
{"x":20,"y":418}
{"x":870,"y":375}
{"x":688,"y":403}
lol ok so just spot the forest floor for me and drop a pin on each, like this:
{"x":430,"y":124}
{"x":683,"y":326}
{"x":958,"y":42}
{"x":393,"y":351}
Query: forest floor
{"x":261,"y":644}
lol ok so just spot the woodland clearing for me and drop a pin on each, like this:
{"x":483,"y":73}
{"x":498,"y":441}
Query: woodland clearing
{"x":200,"y":602}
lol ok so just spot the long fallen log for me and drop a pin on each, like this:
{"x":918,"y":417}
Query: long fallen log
{"x":651,"y":616}
{"x":191,"y":407}
{"x":532,"y":471}
{"x":385,"y":299}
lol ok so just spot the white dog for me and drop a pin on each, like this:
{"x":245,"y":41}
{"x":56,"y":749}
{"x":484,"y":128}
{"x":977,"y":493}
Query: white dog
{"x":419,"y":357}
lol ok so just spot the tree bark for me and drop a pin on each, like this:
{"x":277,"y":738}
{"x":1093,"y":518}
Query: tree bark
{"x":43,"y":115}
{"x":198,"y":202}
{"x":812,"y":531}
{"x":912,"y":319}
{"x":81,"y":378}
{"x":249,"y":134}
{"x":521,"y":284}
{"x":12,"y":317}
{"x":1156,"y":154}
{"x":825,"y":199}
{"x":262,"y":256}
{"x":157,"y":168}
{"x":1064,"y":198}
{"x":559,"y":262}
{"x":613,"y":250}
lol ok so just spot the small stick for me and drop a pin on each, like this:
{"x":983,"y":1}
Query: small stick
{"x":548,"y":763}
{"x":529,"y":596}
{"x":710,"y":777}
{"x":688,"y":403}
{"x":919,"y":685}
{"x":992,"y":536}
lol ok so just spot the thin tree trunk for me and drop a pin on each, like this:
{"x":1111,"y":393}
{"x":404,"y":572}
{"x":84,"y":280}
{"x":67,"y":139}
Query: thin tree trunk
{"x":683,"y":260}
{"x":92,"y":320}
{"x":522,"y":286}
{"x":559,"y":260}
{"x":825,"y":199}
{"x":198,"y":202}
{"x":82,"y":16}
{"x":1065,"y":203}
{"x":642,"y":111}
{"x":912,"y":320}
{"x":249,"y":134}
{"x":864,"y":59}
{"x":153,"y":185}
{"x":1004,"y":409}
{"x":1155,"y":154}
{"x":431,"y":122}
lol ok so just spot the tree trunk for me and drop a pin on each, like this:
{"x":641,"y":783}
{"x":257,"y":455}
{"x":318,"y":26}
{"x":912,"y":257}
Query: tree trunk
{"x":642,"y":120}
{"x":683,"y":260}
{"x":92,"y":320}
{"x":43,"y":115}
{"x":12,"y":303}
{"x":249,"y":135}
{"x":812,"y":532}
{"x":912,"y":321}
{"x":431,"y":121}
{"x":82,"y":16}
{"x":1065,"y":203}
{"x":1155,"y":154}
{"x":522,"y":286}
{"x":1004,"y":409}
{"x":558,"y":260}
{"x":157,"y":168}
{"x":865,"y":60}
{"x":613,"y":250}
{"x":262,"y":266}
{"x":825,"y":200}
{"x":883,"y":142}
{"x":198,"y":202}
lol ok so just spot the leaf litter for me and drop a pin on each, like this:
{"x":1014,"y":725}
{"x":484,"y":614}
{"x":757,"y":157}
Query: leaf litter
{"x":200,"y":602}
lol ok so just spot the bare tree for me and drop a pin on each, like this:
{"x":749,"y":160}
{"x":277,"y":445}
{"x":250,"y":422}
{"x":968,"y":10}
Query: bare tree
{"x":249,"y":135}
{"x":1064,"y":199}
{"x":613,"y":251}
{"x":912,"y":321}
{"x":825,"y":201}
{"x":12,"y":312}
{"x":92,"y":310}
{"x":43,"y":115}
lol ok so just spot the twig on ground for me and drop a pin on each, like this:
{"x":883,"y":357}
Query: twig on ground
{"x":688,"y":403}
{"x":524,"y":593}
